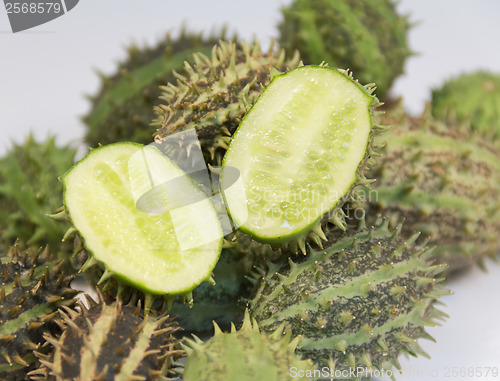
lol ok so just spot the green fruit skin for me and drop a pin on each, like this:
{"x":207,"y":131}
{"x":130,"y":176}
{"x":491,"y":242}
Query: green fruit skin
{"x":110,"y":342}
{"x":442,"y":178}
{"x":32,"y":289}
{"x":366,"y":36}
{"x":362,"y":301}
{"x":123,"y":108}
{"x":222,"y":303}
{"x":473,"y":98}
{"x":29,"y":190}
{"x":216,"y":92}
{"x":244,"y":355}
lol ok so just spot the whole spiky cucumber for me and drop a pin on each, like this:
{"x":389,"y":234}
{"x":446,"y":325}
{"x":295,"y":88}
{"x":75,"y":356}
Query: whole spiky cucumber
{"x":123,"y":108}
{"x":443,"y":179}
{"x":360,"y":302}
{"x":29,"y":189}
{"x":366,"y":36}
{"x":32,"y":289}
{"x":472,"y":97}
{"x":216,"y":92}
{"x":245,"y":355}
{"x":110,"y":342}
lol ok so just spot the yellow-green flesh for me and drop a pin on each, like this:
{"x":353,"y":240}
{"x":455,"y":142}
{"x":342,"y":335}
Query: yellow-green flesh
{"x":168,"y":252}
{"x":298,"y":150}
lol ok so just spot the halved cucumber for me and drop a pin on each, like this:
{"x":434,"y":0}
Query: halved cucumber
{"x":299,"y":150}
{"x":169,"y":245}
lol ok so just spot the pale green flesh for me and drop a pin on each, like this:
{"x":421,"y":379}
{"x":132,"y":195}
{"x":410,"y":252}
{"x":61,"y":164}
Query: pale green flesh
{"x":143,"y":248}
{"x":298,"y":150}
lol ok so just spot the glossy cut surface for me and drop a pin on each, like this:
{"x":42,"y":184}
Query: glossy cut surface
{"x":298,"y":151}
{"x":166,"y":246}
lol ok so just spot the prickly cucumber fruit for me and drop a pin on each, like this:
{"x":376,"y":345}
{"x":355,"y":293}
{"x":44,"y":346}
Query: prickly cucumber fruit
{"x":361,"y":301}
{"x":245,"y":355}
{"x":366,"y":36}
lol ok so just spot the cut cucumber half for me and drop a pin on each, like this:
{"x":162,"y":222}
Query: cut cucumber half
{"x":299,"y":151}
{"x":168,"y":246}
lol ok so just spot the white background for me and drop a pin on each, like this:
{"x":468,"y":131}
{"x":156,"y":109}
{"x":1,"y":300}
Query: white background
{"x":45,"y":72}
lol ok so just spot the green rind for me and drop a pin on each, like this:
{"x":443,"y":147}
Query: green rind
{"x":29,"y":190}
{"x":471,"y":97}
{"x":110,"y":342}
{"x":245,"y":355}
{"x":223,"y":302}
{"x":442,"y":178}
{"x":362,"y":301}
{"x":123,"y":108}
{"x":366,"y":36}
{"x":32,"y":289}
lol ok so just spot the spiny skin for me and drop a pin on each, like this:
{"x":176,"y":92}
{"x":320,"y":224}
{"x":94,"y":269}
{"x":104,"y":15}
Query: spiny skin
{"x":110,"y":286}
{"x":223,"y":302}
{"x":29,"y":189}
{"x":362,"y":301}
{"x":110,"y":342}
{"x":443,"y":179}
{"x":244,"y":355}
{"x":473,"y":97}
{"x":113,"y":287}
{"x":366,"y":36}
{"x":217,"y":300}
{"x":216,"y":93}
{"x":32,"y":289}
{"x":123,"y":108}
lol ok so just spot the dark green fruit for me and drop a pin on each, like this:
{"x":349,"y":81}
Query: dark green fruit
{"x":32,"y":289}
{"x":110,"y":342}
{"x":29,"y":190}
{"x":360,"y":302}
{"x":223,"y":302}
{"x":473,"y":98}
{"x":366,"y":36}
{"x":123,"y":108}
